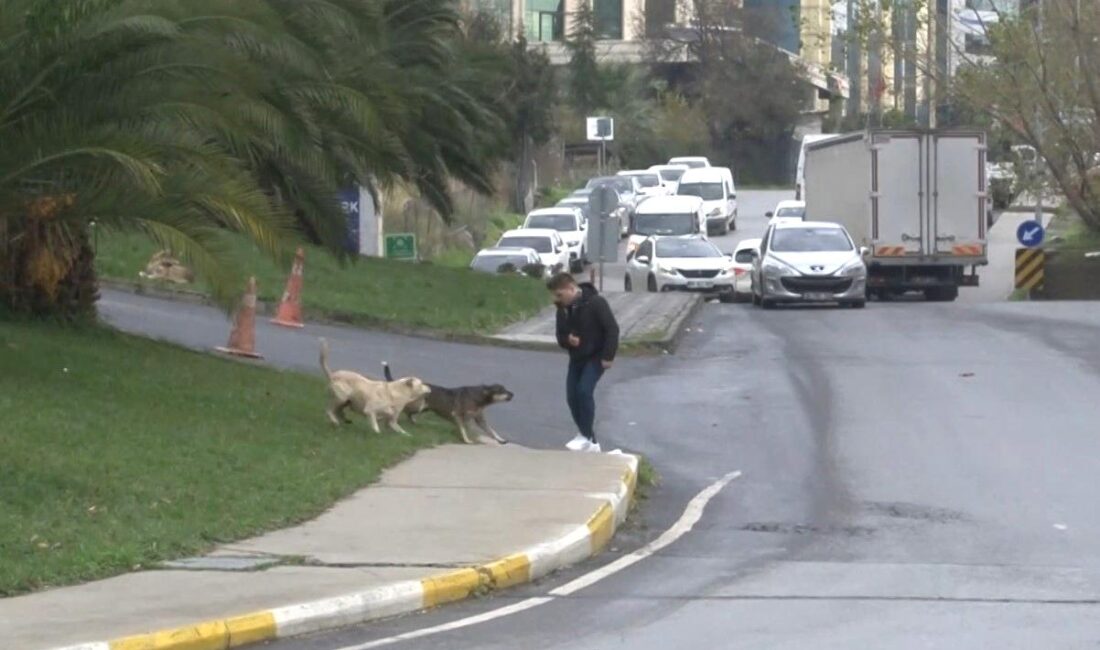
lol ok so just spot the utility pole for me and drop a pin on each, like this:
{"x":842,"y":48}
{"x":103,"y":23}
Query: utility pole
{"x":855,"y":61}
{"x":930,"y":64}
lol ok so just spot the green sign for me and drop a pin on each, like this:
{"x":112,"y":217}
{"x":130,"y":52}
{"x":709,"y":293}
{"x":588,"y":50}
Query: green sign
{"x":401,"y":246}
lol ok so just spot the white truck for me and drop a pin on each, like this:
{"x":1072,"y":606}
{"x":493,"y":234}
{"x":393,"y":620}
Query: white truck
{"x":914,"y":200}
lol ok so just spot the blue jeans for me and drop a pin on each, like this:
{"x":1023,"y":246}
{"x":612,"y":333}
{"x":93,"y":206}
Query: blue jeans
{"x":580,"y":388}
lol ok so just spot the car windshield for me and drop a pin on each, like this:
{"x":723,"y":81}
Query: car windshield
{"x":648,"y":180}
{"x":620,"y":183}
{"x":540,"y":244}
{"x":705,"y":191}
{"x":686,"y":248}
{"x":664,"y":224}
{"x":671,"y":174}
{"x":810,"y":240}
{"x":560,"y":222}
{"x":492,"y":263}
{"x":791,"y":212}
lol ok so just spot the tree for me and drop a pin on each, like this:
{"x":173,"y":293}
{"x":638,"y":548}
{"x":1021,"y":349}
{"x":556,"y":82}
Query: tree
{"x":186,"y":121}
{"x":1040,"y":79}
{"x":586,"y":89}
{"x":750,"y":92}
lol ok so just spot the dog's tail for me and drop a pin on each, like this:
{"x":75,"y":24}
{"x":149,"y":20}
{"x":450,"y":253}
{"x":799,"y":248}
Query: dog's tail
{"x":324,"y":359}
{"x":386,"y":371}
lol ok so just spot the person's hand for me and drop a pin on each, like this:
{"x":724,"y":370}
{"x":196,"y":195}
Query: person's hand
{"x":606,"y":364}
{"x":573,"y":340}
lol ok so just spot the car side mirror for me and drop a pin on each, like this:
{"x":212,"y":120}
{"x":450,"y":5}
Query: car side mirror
{"x":769,"y":214}
{"x":864,"y":251}
{"x":642,"y":259}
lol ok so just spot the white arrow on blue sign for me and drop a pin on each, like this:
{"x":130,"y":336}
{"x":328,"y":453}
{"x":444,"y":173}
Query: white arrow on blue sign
{"x":1030,"y":233}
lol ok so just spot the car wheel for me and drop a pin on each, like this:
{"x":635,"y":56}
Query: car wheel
{"x":767,"y":304}
{"x":733,"y":224}
{"x":651,"y":286}
{"x":727,"y":297}
{"x":856,"y":304}
{"x":576,"y":266}
{"x":628,"y":286}
{"x":725,"y":228}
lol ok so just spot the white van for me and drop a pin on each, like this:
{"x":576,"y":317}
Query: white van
{"x":693,"y":162}
{"x":800,"y":171}
{"x":715,"y":186}
{"x":667,"y":216}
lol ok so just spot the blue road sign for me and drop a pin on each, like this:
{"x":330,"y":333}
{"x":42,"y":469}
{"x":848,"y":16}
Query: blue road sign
{"x":349,"y":201}
{"x":1030,"y":233}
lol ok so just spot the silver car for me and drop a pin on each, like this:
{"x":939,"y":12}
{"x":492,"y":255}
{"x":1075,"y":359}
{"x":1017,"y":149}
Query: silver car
{"x":808,"y":261}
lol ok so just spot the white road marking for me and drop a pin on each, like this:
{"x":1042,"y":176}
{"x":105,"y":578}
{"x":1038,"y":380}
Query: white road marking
{"x":691,"y":516}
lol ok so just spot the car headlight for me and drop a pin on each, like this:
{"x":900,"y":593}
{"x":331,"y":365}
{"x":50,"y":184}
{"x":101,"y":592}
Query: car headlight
{"x":852,"y":269}
{"x":715,"y":212}
{"x":777,"y":269}
{"x":667,"y":270}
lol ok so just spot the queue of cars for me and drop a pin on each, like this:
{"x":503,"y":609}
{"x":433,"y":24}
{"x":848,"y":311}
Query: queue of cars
{"x":668,"y":213}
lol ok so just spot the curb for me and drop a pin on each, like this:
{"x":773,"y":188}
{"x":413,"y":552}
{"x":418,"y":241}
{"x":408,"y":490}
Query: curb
{"x":672,"y":341}
{"x":581,"y":543}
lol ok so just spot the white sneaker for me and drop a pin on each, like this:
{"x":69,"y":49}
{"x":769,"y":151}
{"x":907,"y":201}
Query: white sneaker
{"x":577,"y":443}
{"x":593,"y":447}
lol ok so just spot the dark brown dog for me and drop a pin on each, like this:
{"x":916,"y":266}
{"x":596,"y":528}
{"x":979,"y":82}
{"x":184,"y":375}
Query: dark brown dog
{"x":459,"y":405}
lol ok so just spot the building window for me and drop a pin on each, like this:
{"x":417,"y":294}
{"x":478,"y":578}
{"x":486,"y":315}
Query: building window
{"x":544,"y":20}
{"x":609,"y":19}
{"x":501,"y":10}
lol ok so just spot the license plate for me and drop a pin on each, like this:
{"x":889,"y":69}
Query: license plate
{"x":700,"y":284}
{"x":817,"y":296}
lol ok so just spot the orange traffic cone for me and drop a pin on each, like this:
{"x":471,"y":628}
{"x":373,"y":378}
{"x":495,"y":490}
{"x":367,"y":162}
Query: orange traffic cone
{"x":290,"y":307}
{"x":242,"y":338}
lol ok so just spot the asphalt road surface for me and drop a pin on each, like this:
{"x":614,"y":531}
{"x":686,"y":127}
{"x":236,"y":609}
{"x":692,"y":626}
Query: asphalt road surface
{"x":915,"y":475}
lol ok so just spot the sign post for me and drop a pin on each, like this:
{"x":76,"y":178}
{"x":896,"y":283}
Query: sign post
{"x":1031,"y":260}
{"x":604,"y":238}
{"x":600,"y":129}
{"x":401,"y":246}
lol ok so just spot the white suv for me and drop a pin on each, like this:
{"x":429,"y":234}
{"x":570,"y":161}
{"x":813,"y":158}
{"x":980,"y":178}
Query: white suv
{"x":570,"y":225}
{"x":547,"y":243}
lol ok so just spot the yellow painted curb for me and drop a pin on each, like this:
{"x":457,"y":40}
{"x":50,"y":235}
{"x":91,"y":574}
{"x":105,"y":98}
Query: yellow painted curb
{"x":602,"y":527}
{"x":211,"y":635}
{"x":251,"y":628}
{"x":449,"y":587}
{"x":508,"y":572}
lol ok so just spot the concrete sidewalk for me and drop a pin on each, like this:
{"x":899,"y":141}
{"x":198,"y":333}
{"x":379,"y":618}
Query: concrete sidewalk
{"x":448,"y":523}
{"x":645,"y":319}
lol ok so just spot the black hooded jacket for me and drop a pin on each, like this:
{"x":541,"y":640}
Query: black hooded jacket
{"x":590,"y":318}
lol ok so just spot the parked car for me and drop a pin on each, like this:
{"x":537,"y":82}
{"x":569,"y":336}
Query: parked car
{"x":578,"y":202}
{"x":808,"y":261}
{"x":667,"y":216}
{"x":490,"y":260}
{"x":670,"y":175}
{"x":548,"y":243}
{"x":743,"y":255}
{"x":715,"y":186}
{"x":787,"y":210}
{"x":648,"y":182}
{"x":693,"y":162}
{"x":570,"y":225}
{"x":688,"y":263}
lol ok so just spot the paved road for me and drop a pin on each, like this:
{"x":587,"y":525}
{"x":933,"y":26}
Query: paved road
{"x":915,"y":475}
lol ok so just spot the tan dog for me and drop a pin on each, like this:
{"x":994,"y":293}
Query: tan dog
{"x":369,"y":397}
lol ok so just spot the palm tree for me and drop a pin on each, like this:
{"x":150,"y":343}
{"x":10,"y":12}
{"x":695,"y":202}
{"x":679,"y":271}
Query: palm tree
{"x":191,"y":119}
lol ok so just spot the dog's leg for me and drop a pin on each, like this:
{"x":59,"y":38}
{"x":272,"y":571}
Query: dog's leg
{"x":461,"y":428}
{"x":481,"y":422}
{"x":373,"y":420}
{"x":395,"y":425}
{"x":335,"y":407}
{"x":340,"y":411}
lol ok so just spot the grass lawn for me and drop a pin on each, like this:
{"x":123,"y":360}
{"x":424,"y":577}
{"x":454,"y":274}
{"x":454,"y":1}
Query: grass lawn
{"x":117,"y":452}
{"x":371,"y":291}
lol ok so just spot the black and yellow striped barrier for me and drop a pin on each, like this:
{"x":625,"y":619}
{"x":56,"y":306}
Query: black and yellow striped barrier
{"x":1029,"y":268}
